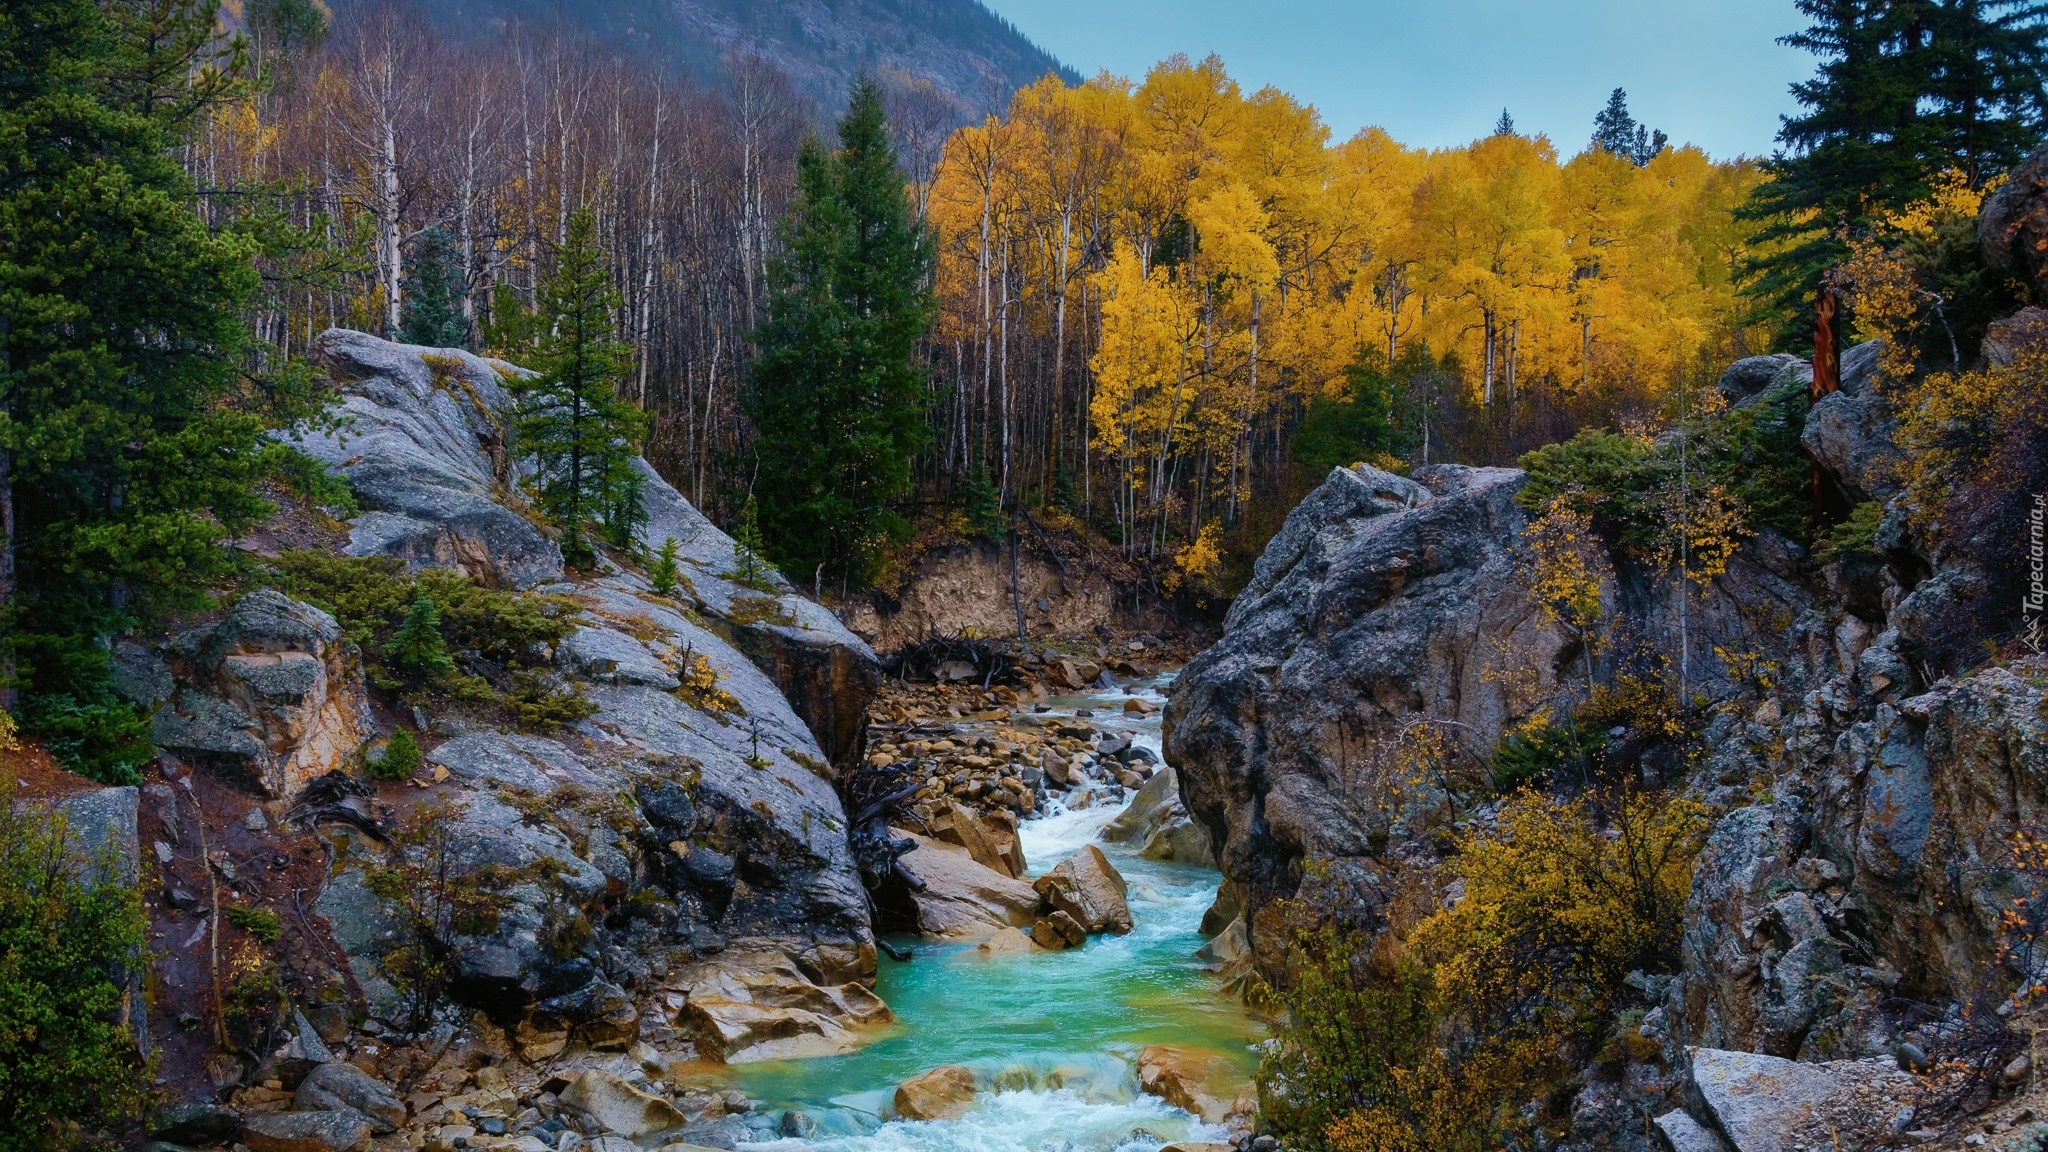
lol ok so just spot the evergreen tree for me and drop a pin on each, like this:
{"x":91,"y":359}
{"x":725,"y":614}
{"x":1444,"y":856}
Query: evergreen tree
{"x":417,"y":649}
{"x":1904,"y":92}
{"x":1617,"y":132}
{"x":124,"y":462}
{"x":401,"y":757}
{"x":836,"y":396}
{"x":580,"y":433}
{"x":1505,"y":126}
{"x":665,"y":576}
{"x":748,"y":548}
{"x":432,"y":309}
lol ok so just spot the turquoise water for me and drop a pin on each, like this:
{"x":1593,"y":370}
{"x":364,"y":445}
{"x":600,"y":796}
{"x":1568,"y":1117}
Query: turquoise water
{"x":1052,"y":1036}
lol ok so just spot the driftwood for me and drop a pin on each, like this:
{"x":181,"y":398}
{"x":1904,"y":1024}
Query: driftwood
{"x":338,"y":798}
{"x":928,"y":659}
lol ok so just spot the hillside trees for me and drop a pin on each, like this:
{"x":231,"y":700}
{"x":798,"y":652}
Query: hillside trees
{"x":836,"y":396}
{"x":131,"y":429}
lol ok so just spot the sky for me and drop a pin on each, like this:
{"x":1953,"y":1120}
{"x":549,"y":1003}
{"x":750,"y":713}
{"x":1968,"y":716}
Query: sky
{"x":1437,"y":73}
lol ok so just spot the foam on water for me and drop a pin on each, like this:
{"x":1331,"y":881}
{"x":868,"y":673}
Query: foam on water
{"x":1027,"y":1121}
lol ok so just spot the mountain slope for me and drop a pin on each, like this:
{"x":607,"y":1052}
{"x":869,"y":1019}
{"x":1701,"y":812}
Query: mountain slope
{"x":969,"y":54}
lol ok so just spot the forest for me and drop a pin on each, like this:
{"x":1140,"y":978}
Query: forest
{"x":1145,"y":292}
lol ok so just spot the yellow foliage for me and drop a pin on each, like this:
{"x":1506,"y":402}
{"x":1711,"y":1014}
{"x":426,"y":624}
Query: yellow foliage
{"x":9,"y":742}
{"x":1562,"y":563}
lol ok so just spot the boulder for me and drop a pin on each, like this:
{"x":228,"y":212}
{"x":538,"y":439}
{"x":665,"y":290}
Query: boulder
{"x":2013,"y":224}
{"x":1058,"y":930}
{"x":270,"y":697}
{"x":1850,"y":432}
{"x":1008,"y":942}
{"x":342,"y":1131}
{"x":747,"y":1006}
{"x":1749,"y":378}
{"x":2020,"y":333}
{"x":1088,"y":888}
{"x":618,"y":1107}
{"x":1768,"y":1104}
{"x":962,"y":898}
{"x":1686,"y":1134}
{"x":944,"y":1093}
{"x":101,"y":827}
{"x":1208,"y":1084}
{"x":342,"y":1087}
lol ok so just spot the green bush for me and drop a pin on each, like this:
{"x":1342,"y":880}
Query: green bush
{"x":401,"y":758}
{"x":69,"y":941}
{"x":1857,"y":534}
{"x":664,"y":576}
{"x":261,"y":923}
{"x":104,"y":740}
{"x":1553,"y":752}
{"x":1624,"y":483}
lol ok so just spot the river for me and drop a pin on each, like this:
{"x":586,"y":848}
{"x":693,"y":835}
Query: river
{"x":1052,"y":1036}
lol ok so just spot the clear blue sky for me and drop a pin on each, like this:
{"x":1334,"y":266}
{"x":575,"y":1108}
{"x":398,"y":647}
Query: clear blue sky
{"x":1438,"y":72}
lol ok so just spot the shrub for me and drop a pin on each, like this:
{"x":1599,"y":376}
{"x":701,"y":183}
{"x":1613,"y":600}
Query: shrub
{"x":1547,"y":751}
{"x":261,"y":923}
{"x":70,"y":937}
{"x":400,"y":760}
{"x":1856,"y":535}
{"x":104,"y":739}
{"x":433,"y":903}
{"x":538,"y":703}
{"x":1429,"y":1043}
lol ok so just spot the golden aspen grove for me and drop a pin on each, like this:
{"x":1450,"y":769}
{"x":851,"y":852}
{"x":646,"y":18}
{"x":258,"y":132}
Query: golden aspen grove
{"x":1144,"y":287}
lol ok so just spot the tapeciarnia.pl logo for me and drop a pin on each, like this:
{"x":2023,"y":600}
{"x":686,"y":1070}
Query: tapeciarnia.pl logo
{"x":2036,"y":599}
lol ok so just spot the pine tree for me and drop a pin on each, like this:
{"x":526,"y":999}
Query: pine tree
{"x":433,"y":295}
{"x":748,"y":549}
{"x":665,"y":576}
{"x":418,"y":650}
{"x":1617,"y":132}
{"x":124,"y":463}
{"x":571,"y":420}
{"x":1614,"y":130}
{"x":400,"y":760}
{"x":1904,"y":92}
{"x":836,"y":397}
{"x":1505,"y":126}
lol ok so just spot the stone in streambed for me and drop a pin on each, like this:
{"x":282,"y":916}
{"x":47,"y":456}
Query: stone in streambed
{"x":619,"y":1107}
{"x":1008,"y":942}
{"x":1195,"y":1080}
{"x":944,"y":1093}
{"x":1057,"y":930}
{"x":1088,"y":888}
{"x":964,"y":899}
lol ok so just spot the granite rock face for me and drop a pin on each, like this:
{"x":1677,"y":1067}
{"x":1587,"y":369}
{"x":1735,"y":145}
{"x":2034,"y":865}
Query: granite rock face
{"x":1381,"y":602}
{"x":693,"y":812}
{"x":424,"y":446}
{"x":270,"y":697}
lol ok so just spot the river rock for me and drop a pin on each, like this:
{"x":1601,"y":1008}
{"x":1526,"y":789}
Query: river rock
{"x":269,"y":698}
{"x":1208,"y":1084}
{"x":1008,"y":942}
{"x":620,"y":1108}
{"x":746,"y":1006}
{"x":343,"y":1087}
{"x":963,"y":899}
{"x":991,"y":846}
{"x":1058,"y":930}
{"x":1087,"y":887}
{"x":944,"y":1093}
{"x":337,"y":1131}
{"x":1688,"y":1135}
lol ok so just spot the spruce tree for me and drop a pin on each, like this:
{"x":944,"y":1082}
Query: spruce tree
{"x":580,"y":434}
{"x":837,"y":391}
{"x":125,"y":463}
{"x":417,"y":649}
{"x":1617,"y":132}
{"x":1505,"y":126}
{"x":665,"y":575}
{"x":432,"y":306}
